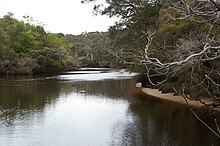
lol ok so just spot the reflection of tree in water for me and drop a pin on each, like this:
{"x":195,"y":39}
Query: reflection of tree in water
{"x":155,"y":123}
{"x":21,"y":99}
{"x":114,"y":89}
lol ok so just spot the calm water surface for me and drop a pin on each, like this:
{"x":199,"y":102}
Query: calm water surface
{"x":92,"y":108}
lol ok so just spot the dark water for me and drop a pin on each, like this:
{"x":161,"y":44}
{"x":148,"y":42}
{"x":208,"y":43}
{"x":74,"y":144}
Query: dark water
{"x":95,"y":109}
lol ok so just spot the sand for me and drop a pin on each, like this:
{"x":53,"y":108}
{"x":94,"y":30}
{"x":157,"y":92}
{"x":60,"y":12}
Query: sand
{"x":177,"y":99}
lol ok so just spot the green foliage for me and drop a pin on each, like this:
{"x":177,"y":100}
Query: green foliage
{"x":129,"y":34}
{"x":91,"y":49}
{"x":170,"y":27}
{"x":133,"y":37}
{"x":134,"y":34}
{"x":22,"y":41}
{"x":49,"y":60}
{"x":178,"y":36}
{"x":54,"y":41}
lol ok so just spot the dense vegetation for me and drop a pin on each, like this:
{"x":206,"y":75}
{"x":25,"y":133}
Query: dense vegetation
{"x":26,"y":48}
{"x":175,"y":43}
{"x":92,"y":49}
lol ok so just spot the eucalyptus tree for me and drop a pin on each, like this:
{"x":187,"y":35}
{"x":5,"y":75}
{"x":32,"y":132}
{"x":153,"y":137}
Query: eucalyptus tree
{"x":91,"y":48}
{"x":189,"y":32}
{"x":136,"y":18}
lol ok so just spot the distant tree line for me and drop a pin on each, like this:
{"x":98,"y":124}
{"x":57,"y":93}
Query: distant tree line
{"x":92,"y":49}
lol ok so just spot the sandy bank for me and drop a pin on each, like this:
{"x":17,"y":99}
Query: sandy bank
{"x":177,"y":99}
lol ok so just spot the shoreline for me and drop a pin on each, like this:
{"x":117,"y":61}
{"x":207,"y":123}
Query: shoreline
{"x":176,"y":98}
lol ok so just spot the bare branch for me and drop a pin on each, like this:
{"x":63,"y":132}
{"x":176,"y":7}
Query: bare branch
{"x":204,"y":123}
{"x":198,"y":118}
{"x":217,"y":126}
{"x":218,"y":85}
{"x":157,"y":62}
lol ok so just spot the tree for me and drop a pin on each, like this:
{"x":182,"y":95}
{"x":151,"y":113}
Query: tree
{"x":128,"y":35}
{"x":91,"y":49}
{"x":193,"y":49}
{"x":19,"y":40}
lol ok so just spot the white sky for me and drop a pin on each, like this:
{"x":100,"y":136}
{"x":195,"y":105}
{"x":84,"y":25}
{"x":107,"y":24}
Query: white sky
{"x":65,"y":16}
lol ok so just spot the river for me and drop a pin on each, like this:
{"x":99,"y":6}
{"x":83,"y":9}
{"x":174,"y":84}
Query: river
{"x":92,"y":108}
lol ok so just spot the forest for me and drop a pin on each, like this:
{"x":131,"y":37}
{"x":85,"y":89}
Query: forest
{"x":175,"y":44}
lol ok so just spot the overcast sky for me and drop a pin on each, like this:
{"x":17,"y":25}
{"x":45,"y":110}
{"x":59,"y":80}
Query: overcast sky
{"x":65,"y":16}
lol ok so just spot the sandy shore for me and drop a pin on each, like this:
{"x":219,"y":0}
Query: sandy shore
{"x":177,"y":99}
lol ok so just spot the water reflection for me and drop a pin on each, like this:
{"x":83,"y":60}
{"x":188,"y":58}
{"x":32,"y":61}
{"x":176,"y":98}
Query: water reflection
{"x":155,"y":123}
{"x":21,"y":98}
{"x":114,"y":89}
{"x":92,"y":109}
{"x":91,"y":76}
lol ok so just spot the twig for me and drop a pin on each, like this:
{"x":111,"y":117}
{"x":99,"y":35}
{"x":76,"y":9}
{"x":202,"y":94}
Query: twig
{"x":217,"y":126}
{"x":204,"y":123}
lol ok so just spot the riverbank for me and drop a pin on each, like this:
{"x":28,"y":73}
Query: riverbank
{"x":176,"y":98}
